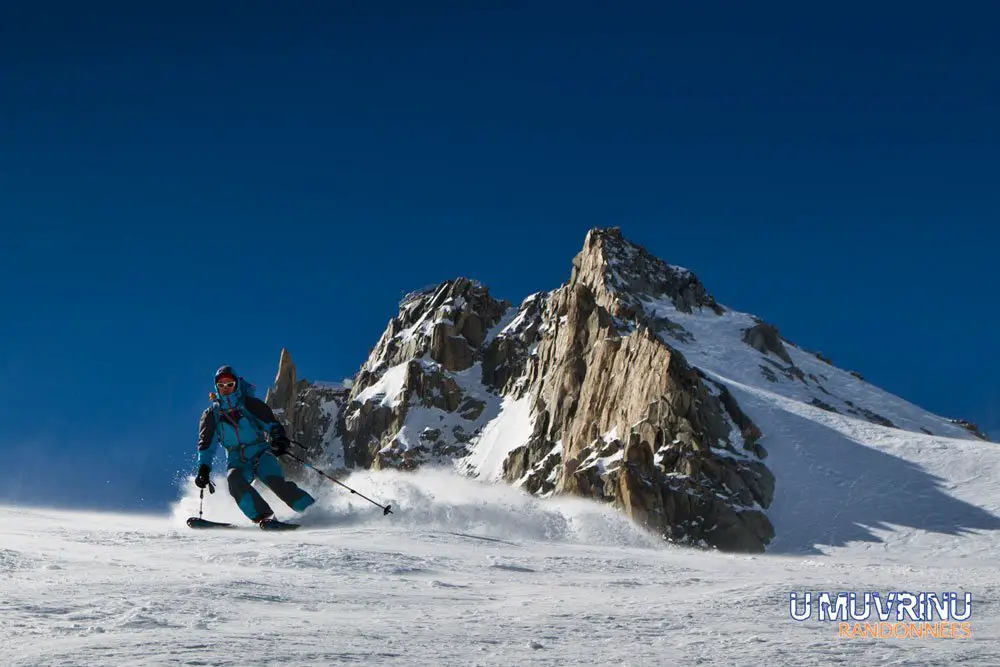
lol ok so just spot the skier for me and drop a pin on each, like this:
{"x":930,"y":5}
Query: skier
{"x":240,"y":422}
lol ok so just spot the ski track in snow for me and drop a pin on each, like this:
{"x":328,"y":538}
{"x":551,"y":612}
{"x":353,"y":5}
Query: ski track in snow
{"x":463,"y":573}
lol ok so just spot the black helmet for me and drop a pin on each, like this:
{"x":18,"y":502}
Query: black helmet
{"x":225,"y":371}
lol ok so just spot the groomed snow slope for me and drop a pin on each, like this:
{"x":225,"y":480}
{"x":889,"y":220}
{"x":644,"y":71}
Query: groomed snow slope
{"x":464,"y":573}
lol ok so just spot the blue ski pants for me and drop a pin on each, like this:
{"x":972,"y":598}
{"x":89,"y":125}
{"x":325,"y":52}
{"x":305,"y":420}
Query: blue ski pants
{"x":267,"y":469}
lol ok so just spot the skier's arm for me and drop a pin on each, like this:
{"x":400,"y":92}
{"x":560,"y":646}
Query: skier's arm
{"x":206,"y":438}
{"x":265,"y":415}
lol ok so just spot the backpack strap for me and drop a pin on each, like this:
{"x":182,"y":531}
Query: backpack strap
{"x":245,"y":411}
{"x":218,"y":423}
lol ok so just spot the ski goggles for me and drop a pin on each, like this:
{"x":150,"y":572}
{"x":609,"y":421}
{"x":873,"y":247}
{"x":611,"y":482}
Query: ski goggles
{"x":227,"y":384}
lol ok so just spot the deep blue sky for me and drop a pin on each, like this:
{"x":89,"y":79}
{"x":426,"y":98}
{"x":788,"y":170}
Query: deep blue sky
{"x":205,"y":184}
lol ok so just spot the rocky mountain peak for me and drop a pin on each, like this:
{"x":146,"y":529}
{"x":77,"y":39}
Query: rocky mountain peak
{"x":621,"y":273}
{"x":571,"y":392}
{"x":623,"y":385}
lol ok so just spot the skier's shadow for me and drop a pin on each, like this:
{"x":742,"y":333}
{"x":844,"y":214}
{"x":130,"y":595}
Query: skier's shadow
{"x":831,"y":490}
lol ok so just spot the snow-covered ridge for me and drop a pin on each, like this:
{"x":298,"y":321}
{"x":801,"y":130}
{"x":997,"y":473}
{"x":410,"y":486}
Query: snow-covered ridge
{"x":713,"y":337}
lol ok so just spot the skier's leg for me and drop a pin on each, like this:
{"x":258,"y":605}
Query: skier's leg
{"x":269,"y":471}
{"x":246,"y":497}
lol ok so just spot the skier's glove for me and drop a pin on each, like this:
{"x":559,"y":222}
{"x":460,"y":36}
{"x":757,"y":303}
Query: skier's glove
{"x":280,"y":444}
{"x":201,"y":481}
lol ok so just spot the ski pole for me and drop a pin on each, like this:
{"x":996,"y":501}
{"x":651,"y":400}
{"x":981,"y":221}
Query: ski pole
{"x":201,"y":496}
{"x":385,"y":508}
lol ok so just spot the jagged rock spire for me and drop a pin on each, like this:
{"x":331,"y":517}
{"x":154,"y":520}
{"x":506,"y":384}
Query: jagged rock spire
{"x":284,"y":392}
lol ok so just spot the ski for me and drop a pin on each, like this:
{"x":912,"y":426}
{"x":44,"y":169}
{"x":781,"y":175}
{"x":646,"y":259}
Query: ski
{"x":198,"y":522}
{"x":274,"y":524}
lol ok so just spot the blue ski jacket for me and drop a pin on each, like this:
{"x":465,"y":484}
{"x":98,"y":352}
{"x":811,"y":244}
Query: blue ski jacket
{"x":241,"y":424}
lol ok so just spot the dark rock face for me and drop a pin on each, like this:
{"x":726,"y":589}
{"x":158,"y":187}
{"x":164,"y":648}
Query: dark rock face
{"x":621,"y":417}
{"x":764,"y":338}
{"x":424,"y":365}
{"x":970,"y":427}
{"x":309,"y":411}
